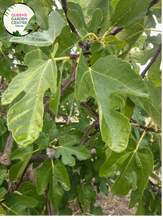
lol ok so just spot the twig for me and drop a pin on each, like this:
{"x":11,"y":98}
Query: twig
{"x":88,"y":130}
{"x":115,"y":31}
{"x":3,"y":111}
{"x":51,"y":114}
{"x":47,"y":201}
{"x":68,"y":120}
{"x":152,"y":61}
{"x":22,"y":65}
{"x":90,"y":109}
{"x":70,"y":79}
{"x":144,"y":127}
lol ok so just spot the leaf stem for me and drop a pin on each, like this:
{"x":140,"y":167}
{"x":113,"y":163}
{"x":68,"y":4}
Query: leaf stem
{"x":35,"y":150}
{"x":91,"y":34}
{"x":153,"y":30}
{"x":61,"y":58}
{"x":105,"y":34}
{"x":134,"y":124}
{"x":5,"y":206}
{"x":15,"y":191}
{"x":52,"y":162}
{"x":140,"y":140}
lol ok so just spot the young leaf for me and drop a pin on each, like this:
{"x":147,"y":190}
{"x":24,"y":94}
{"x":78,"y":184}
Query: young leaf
{"x":25,"y":117}
{"x":53,"y":174}
{"x":105,"y":7}
{"x":66,"y":150}
{"x":66,"y":41}
{"x":131,"y":36}
{"x":134,"y":166}
{"x":40,"y":12}
{"x":46,"y":37}
{"x":76,"y":16}
{"x":107,"y":78}
{"x":86,"y":192}
{"x":96,"y":210}
{"x":152,"y":105}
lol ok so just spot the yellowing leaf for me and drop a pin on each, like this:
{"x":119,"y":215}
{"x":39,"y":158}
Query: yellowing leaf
{"x":107,"y":78}
{"x":25,"y":117}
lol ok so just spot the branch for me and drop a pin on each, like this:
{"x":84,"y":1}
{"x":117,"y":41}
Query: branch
{"x":152,"y":61}
{"x":38,"y":158}
{"x":47,"y":201}
{"x":5,"y":160}
{"x":65,"y":9}
{"x":88,"y":130}
{"x":153,"y":2}
{"x":115,"y":31}
{"x":144,"y":127}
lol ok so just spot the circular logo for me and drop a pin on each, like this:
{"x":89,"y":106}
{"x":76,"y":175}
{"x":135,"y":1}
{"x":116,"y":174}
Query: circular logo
{"x":19,"y":19}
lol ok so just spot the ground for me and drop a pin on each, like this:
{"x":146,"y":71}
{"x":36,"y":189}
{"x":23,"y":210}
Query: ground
{"x":118,"y":206}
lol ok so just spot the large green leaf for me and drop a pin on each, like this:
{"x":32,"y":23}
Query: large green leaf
{"x":45,"y":37}
{"x":25,"y":117}
{"x":107,"y":78}
{"x":28,"y":189}
{"x":53,"y":174}
{"x":134,"y":166}
{"x":129,"y":12}
{"x":18,"y":203}
{"x":66,"y":150}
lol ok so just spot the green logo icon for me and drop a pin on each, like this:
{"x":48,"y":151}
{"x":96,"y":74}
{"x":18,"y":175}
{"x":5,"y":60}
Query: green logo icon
{"x":19,"y":19}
